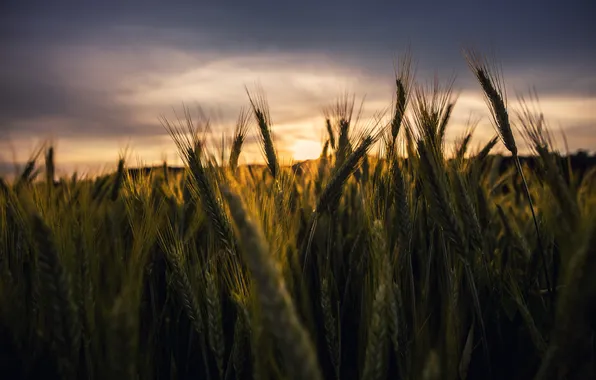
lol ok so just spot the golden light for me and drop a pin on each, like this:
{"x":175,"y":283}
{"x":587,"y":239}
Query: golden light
{"x":305,"y":149}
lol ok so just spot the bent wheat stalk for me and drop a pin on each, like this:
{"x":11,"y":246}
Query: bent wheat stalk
{"x":277,"y":308}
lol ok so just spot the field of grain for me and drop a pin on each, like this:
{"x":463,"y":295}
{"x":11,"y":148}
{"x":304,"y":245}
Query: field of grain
{"x":363,"y":264}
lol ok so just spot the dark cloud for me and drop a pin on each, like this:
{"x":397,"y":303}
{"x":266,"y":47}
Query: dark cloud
{"x":522,"y":31}
{"x":75,"y":111}
{"x":42,"y":44}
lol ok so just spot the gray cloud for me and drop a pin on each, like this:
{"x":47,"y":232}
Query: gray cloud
{"x":50,"y":109}
{"x":522,"y":31}
{"x":76,"y":69}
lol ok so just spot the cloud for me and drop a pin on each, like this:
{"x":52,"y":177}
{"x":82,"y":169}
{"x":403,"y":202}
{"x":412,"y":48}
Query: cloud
{"x":519,"y":30}
{"x":102,"y":73}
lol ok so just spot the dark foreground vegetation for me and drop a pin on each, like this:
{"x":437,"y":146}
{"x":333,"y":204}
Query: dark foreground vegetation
{"x":446,"y":265}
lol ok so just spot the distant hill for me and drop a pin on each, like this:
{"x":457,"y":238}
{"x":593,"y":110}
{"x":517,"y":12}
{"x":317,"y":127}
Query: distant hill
{"x":580,"y":163}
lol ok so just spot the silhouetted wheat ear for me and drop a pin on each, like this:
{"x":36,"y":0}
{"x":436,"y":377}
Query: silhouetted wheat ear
{"x":325,"y":151}
{"x":66,"y":329}
{"x":445,"y":120}
{"x":437,"y":197}
{"x":261,"y":113}
{"x":118,"y":180}
{"x":400,"y":107}
{"x":485,"y":151}
{"x":239,"y":347}
{"x":50,"y":167}
{"x":239,"y":137}
{"x":501,"y":115}
{"x":469,"y":214}
{"x":330,"y":132}
{"x":210,"y":202}
{"x":374,"y":364}
{"x":166,"y":172}
{"x":192,"y":150}
{"x":277,"y":308}
{"x":394,"y":319}
{"x":186,"y":294}
{"x":494,"y":94}
{"x":403,"y":82}
{"x":343,"y":144}
{"x":214,"y":312}
{"x":539,"y":139}
{"x":4,"y":189}
{"x":333,"y":190}
{"x":401,"y":202}
{"x":490,"y":83}
{"x":26,"y":176}
{"x":462,"y":148}
{"x":331,"y":326}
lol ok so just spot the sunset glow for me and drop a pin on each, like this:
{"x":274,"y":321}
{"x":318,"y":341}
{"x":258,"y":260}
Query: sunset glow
{"x":106,"y":87}
{"x":306,"y":149}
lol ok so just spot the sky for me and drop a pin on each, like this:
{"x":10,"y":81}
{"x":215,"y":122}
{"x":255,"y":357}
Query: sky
{"x":95,"y":77}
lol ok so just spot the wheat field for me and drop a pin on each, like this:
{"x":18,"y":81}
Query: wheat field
{"x":392,"y":256}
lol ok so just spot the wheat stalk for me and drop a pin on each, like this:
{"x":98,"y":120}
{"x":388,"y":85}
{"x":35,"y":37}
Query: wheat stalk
{"x":239,"y":137}
{"x":214,"y":321}
{"x":66,"y":329}
{"x":263,"y":119}
{"x":495,"y":95}
{"x":277,"y":308}
{"x":331,"y":326}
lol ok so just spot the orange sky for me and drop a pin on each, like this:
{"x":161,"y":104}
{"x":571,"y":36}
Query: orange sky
{"x":297,"y":88}
{"x":96,"y":77}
